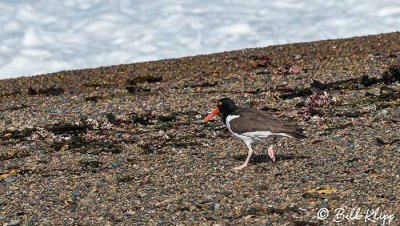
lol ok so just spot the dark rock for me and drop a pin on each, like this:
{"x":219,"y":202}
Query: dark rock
{"x":32,"y":91}
{"x":201,"y":84}
{"x":111,"y":118}
{"x":141,"y":119}
{"x":136,"y":89}
{"x":227,"y":193}
{"x":18,"y":134}
{"x":385,"y":91}
{"x":53,"y":91}
{"x":91,"y":163}
{"x":68,"y":129}
{"x":142,"y":79}
{"x":392,"y":75}
{"x":119,"y":177}
{"x":117,"y":163}
{"x":93,"y":98}
{"x":389,"y":77}
{"x":382,"y":142}
{"x":167,"y":118}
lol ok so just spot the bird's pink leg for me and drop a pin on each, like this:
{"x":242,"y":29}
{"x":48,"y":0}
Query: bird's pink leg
{"x":271,"y":153}
{"x":248,"y":144}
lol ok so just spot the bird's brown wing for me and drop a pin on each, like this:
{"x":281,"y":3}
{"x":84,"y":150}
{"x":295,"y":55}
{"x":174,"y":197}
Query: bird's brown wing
{"x":251,"y":120}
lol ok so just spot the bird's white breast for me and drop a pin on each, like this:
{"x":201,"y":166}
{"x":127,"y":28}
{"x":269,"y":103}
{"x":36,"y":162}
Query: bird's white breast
{"x":242,"y":137}
{"x":228,"y":120}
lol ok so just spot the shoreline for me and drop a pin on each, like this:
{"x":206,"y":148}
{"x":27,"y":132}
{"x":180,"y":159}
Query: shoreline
{"x":125,"y":138}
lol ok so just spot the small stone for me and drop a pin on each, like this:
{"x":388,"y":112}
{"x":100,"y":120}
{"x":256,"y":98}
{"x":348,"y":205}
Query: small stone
{"x":32,"y":221}
{"x":386,"y":91}
{"x":117,"y":163}
{"x":10,"y":179}
{"x":13,"y":223}
{"x":217,"y":206}
{"x":100,"y":183}
{"x":248,"y":201}
{"x":298,"y":56}
{"x":76,"y":193}
{"x":289,"y":101}
{"x":7,"y":135}
{"x":192,"y":208}
{"x":384,"y":112}
{"x":93,"y":163}
{"x":315,"y":118}
{"x":247,"y":217}
{"x":87,"y":202}
{"x":43,"y":159}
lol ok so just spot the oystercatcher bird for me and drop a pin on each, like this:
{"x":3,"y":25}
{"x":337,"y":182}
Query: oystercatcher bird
{"x":251,"y":125}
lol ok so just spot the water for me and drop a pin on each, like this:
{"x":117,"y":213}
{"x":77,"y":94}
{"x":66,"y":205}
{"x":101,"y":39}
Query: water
{"x":46,"y":36}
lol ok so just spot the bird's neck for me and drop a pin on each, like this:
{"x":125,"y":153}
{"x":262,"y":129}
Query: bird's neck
{"x":224,"y":115}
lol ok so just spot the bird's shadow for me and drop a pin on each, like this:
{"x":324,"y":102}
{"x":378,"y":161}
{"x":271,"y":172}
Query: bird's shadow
{"x":262,"y":158}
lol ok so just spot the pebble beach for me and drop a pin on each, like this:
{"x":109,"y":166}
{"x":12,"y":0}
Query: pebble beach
{"x":125,"y":144}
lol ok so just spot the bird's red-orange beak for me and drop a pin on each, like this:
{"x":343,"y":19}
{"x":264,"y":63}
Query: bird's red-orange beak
{"x":212,"y":114}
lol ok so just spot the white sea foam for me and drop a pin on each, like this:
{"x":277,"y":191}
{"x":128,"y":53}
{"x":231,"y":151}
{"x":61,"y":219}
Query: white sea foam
{"x":45,"y":36}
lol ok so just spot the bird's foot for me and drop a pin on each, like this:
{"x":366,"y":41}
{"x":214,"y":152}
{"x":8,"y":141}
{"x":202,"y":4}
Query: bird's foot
{"x":271,"y":153}
{"x":240,"y":167}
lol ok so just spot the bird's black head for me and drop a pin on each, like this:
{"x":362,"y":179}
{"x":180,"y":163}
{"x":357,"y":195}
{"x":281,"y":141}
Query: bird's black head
{"x":225,"y":106}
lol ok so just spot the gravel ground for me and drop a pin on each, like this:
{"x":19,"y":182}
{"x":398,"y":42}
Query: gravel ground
{"x":123,"y":145}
